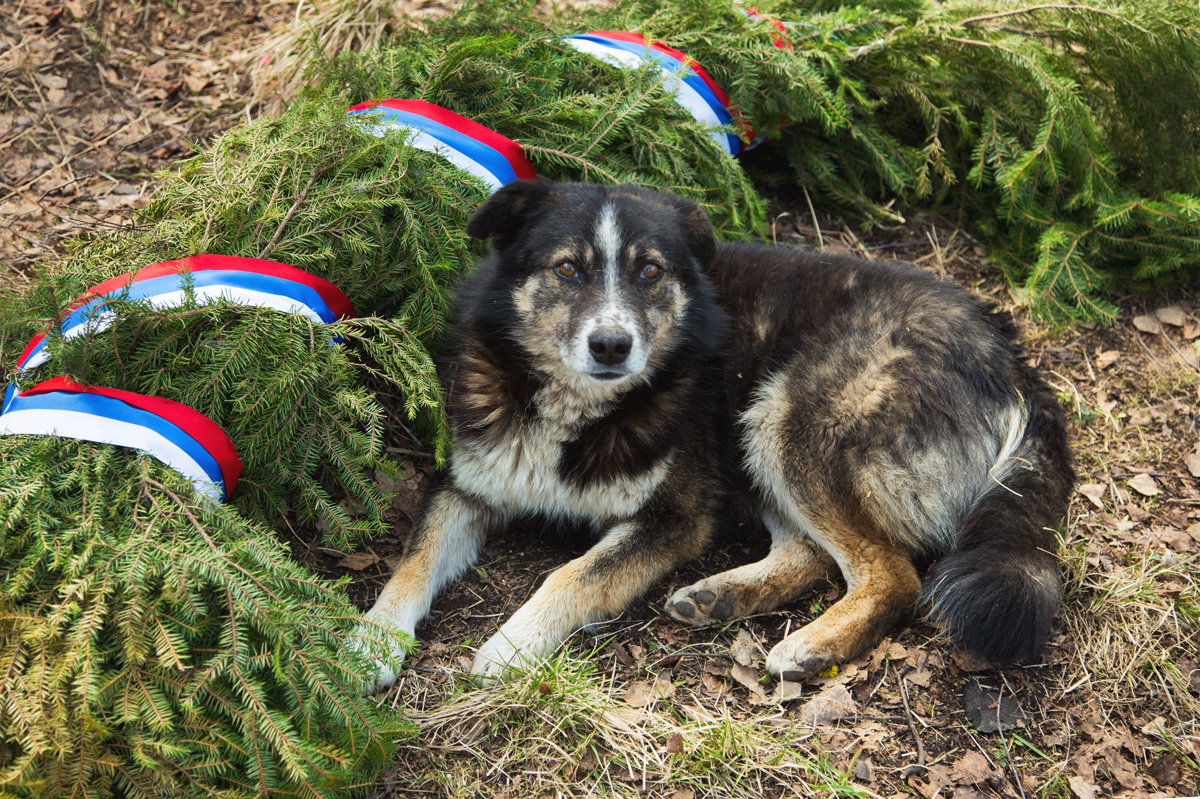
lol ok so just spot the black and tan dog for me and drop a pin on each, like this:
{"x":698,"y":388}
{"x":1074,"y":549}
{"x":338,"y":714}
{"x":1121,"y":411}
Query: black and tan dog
{"x":616,"y":367}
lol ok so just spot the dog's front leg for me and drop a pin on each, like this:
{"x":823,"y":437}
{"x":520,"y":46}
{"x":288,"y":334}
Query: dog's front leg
{"x":443,"y":544}
{"x":600,"y":584}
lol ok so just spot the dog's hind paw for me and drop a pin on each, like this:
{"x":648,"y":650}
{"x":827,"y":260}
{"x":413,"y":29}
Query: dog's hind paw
{"x":386,"y":654}
{"x":698,"y":606}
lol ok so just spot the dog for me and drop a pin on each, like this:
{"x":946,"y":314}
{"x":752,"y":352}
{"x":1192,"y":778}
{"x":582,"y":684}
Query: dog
{"x":617,"y":368}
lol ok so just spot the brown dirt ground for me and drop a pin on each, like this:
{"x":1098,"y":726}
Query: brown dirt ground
{"x":95,"y":95}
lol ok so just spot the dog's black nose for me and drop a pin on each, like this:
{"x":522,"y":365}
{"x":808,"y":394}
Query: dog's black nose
{"x":610,"y":347}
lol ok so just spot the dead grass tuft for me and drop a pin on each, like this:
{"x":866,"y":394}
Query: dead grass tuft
{"x":564,"y":728}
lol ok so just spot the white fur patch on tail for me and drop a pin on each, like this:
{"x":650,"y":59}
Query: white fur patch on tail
{"x":1006,"y":459}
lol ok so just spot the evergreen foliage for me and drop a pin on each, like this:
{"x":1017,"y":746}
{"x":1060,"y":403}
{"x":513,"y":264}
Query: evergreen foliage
{"x":155,"y":645}
{"x":1065,"y":133}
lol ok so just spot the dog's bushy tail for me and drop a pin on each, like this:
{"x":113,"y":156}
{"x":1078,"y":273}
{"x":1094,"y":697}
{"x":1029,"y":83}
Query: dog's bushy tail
{"x":998,"y":591}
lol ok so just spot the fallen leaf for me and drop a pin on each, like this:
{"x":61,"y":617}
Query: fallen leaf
{"x":1147,"y":324}
{"x":1123,"y":770}
{"x":195,"y":82}
{"x":749,"y":677}
{"x":1094,"y":492}
{"x":1082,"y":788}
{"x":1171,"y":315}
{"x":828,"y":706}
{"x":1165,"y":771}
{"x":970,"y":662}
{"x":359,"y":561}
{"x":1144,"y":484}
{"x":872,"y":734}
{"x":787,"y":691}
{"x":988,"y":711}
{"x":1155,"y":727}
{"x":972,"y":769}
{"x":936,"y":780}
{"x":639,"y":694}
{"x":1107,"y":358}
{"x":744,"y":648}
{"x":51,"y":81}
{"x":586,"y":763}
{"x":1192,"y":461}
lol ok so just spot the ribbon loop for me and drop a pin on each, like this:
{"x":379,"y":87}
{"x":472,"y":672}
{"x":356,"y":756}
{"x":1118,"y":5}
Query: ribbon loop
{"x":473,"y":148}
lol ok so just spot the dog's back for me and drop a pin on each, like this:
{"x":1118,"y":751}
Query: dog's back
{"x":882,"y":412}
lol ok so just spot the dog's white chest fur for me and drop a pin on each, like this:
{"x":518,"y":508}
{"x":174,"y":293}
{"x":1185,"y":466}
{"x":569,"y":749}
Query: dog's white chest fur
{"x":520,"y":474}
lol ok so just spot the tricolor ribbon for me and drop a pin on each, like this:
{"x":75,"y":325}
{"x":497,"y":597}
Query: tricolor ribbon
{"x":245,"y":281}
{"x":481,"y":151}
{"x":682,"y":76}
{"x":182,"y":438}
{"x":781,"y":41}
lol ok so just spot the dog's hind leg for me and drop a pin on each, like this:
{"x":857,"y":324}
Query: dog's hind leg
{"x":882,"y":587}
{"x":792,"y":567}
{"x":631,"y":557}
{"x":444,"y":543}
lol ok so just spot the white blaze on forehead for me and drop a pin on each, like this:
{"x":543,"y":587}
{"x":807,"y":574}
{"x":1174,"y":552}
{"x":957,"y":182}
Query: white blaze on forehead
{"x":608,"y":247}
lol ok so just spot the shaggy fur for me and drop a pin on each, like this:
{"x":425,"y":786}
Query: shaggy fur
{"x":615,"y":367}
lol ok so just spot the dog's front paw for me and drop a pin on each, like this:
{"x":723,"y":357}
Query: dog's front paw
{"x":701,"y":604}
{"x":795,"y":658}
{"x":510,"y":648}
{"x":386,"y":653}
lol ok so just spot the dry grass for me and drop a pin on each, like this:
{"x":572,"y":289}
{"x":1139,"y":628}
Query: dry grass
{"x":566,"y":729}
{"x":328,"y":27}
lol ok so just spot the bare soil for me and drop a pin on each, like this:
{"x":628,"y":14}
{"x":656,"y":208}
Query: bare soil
{"x":96,"y":95}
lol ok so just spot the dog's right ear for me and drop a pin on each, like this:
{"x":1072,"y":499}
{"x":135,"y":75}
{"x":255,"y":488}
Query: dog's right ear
{"x":501,"y":218}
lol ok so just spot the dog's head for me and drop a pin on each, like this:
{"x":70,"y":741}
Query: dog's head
{"x":599,"y":284}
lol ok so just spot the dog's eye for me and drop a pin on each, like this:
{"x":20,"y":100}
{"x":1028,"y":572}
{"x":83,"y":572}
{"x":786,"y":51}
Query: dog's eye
{"x":651,"y":272}
{"x":567,"y":270}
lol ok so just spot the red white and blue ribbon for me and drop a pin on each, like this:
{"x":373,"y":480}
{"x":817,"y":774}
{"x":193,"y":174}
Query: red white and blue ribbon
{"x":481,"y":151}
{"x":245,"y":281}
{"x":682,"y":76}
{"x":184,"y":439}
{"x":175,"y":434}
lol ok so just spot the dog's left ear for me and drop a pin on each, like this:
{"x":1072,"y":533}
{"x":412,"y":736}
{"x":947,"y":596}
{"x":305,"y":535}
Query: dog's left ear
{"x":501,"y":218}
{"x":700,"y":238}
